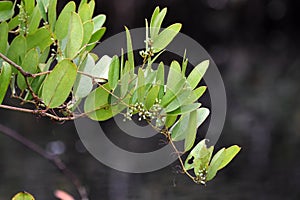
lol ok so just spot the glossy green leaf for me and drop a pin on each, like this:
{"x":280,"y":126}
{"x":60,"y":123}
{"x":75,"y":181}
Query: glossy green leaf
{"x":17,"y":49}
{"x":59,"y":83}
{"x":95,"y":38}
{"x":230,"y":153}
{"x":156,"y":21}
{"x":197,"y":73}
{"x":114,"y":72}
{"x":202,"y":114}
{"x":6,"y":10}
{"x":165,"y":37}
{"x":191,"y":131}
{"x":52,"y":15}
{"x":75,"y":36}
{"x":62,"y":24}
{"x":140,"y":86}
{"x":41,"y":39}
{"x":171,"y":94}
{"x":84,"y":84}
{"x":29,"y":64}
{"x":98,"y":21}
{"x":34,"y":20}
{"x":130,"y":55}
{"x":215,"y":164}
{"x":5,"y":76}
{"x":3,"y":37}
{"x":88,"y":28}
{"x":152,"y":96}
{"x":23,"y":196}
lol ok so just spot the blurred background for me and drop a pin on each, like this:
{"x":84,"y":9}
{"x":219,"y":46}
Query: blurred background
{"x":255,"y":44}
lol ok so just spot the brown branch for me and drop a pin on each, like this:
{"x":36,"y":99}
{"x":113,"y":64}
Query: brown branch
{"x":24,"y":73}
{"x":52,"y":158}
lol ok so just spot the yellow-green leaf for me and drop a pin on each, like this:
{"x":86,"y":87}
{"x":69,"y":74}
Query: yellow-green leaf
{"x":114,"y":72}
{"x":6,"y":10}
{"x":23,"y":196}
{"x":230,"y":153}
{"x":3,"y":37}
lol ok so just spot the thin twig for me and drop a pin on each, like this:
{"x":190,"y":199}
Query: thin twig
{"x":52,"y":158}
{"x":23,"y":72}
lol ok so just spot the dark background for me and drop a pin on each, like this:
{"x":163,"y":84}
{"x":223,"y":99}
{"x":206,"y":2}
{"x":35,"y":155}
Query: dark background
{"x":255,"y":44}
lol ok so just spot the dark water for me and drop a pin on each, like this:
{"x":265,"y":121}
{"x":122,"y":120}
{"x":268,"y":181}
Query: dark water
{"x":256,"y":47}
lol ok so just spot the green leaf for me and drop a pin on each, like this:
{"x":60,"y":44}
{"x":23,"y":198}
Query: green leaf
{"x":29,"y":64}
{"x":198,"y":72}
{"x":179,"y":100}
{"x":114,"y":72}
{"x":185,"y":109}
{"x":5,"y":76}
{"x":43,"y":6}
{"x":172,"y":93}
{"x":98,"y":21}
{"x":13,"y":23}
{"x":160,"y":79}
{"x":40,"y":38}
{"x":124,"y":84}
{"x":230,"y":153}
{"x":215,"y":164}
{"x":165,"y":37}
{"x":170,"y":120}
{"x":6,"y":10}
{"x":97,"y":106}
{"x":140,"y":86}
{"x":59,"y":83}
{"x":102,"y":68}
{"x":88,"y":28}
{"x":3,"y":37}
{"x":195,"y":95}
{"x":84,"y":84}
{"x":129,"y":48}
{"x":23,"y":196}
{"x":152,"y":96}
{"x":34,"y":20}
{"x":156,"y":21}
{"x":17,"y":49}
{"x":202,"y":114}
{"x":62,"y":24}
{"x":52,"y":14}
{"x":75,"y":36}
{"x":95,"y":38}
{"x":29,"y":5}
{"x":179,"y":130}
{"x":200,"y":156}
{"x":92,"y":6}
{"x":85,"y":12}
{"x":191,"y":131}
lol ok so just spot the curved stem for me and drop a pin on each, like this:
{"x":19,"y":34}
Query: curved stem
{"x":52,"y":158}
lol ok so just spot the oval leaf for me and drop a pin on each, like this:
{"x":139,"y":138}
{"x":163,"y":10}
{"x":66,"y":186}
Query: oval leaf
{"x":59,"y":83}
{"x":23,"y":196}
{"x":198,"y":72}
